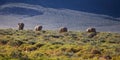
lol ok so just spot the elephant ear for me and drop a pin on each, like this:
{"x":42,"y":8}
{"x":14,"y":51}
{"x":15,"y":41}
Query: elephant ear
{"x":18,"y":23}
{"x":22,"y":23}
{"x":40,"y":26}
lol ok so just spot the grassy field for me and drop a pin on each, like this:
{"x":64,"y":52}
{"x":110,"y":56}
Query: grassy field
{"x":51,"y":45}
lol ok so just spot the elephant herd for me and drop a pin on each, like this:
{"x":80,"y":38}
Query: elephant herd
{"x":61,"y":30}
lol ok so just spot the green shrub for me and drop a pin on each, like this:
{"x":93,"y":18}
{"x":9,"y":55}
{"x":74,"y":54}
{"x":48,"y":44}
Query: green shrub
{"x":52,"y":45}
{"x":3,"y":42}
{"x":15,"y":43}
{"x":39,"y":45}
{"x":30,"y":48}
{"x":16,"y":54}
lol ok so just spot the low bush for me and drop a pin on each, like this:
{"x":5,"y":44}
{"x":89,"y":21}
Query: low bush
{"x":3,"y":42}
{"x":52,"y":45}
{"x":15,"y":43}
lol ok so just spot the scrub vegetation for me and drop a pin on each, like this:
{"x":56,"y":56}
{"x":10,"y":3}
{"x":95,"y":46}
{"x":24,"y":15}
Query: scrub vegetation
{"x":52,"y":45}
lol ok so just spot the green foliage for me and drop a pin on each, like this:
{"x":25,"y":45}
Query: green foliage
{"x":52,"y":45}
{"x":15,"y":43}
{"x":3,"y":42}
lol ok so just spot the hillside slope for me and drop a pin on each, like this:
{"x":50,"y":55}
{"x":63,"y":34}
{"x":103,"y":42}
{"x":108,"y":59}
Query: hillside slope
{"x":51,"y":18}
{"x":51,"y":45}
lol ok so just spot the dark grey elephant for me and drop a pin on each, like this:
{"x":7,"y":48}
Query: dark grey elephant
{"x":38,"y":28}
{"x":63,"y":29}
{"x":91,"y":30}
{"x":20,"y":26}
